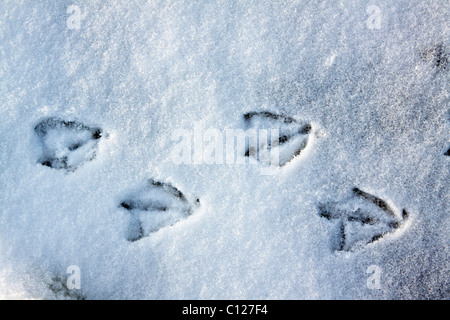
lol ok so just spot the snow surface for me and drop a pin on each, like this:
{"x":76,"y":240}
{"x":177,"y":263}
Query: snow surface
{"x":378,"y":101}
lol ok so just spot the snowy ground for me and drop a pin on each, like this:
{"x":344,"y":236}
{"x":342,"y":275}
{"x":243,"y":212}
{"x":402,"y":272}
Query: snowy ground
{"x":89,"y":108}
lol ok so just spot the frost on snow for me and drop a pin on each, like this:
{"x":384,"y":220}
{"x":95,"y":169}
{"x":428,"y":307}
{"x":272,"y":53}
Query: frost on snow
{"x":91,"y":94}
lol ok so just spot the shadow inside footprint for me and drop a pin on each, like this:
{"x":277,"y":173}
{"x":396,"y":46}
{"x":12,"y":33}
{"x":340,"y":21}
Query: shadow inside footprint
{"x":292,"y":136}
{"x":66,"y":144}
{"x":154,"y":207}
{"x":361,"y":219}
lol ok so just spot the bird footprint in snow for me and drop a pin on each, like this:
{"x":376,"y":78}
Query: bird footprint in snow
{"x":361,"y":219}
{"x":292,"y":136}
{"x":155,"y":206}
{"x":66,"y":144}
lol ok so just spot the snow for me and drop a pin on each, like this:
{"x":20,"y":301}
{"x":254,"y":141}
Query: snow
{"x":375,"y":96}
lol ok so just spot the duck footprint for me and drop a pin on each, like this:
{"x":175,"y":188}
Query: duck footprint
{"x":155,"y":206}
{"x":361,"y":219}
{"x":291,"y":140}
{"x":66,"y":144}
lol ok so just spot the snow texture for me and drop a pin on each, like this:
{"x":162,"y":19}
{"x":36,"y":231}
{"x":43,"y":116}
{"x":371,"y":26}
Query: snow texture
{"x":359,"y":90}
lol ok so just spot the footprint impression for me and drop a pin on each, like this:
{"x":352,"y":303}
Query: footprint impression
{"x":66,"y":144}
{"x":155,"y":206}
{"x":361,"y":219}
{"x":292,"y":140}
